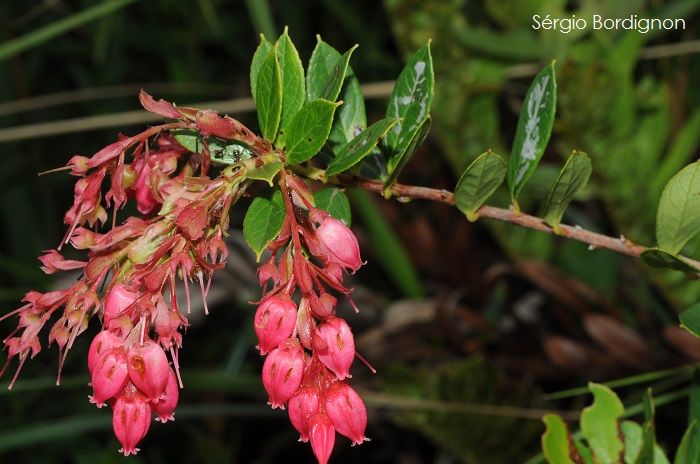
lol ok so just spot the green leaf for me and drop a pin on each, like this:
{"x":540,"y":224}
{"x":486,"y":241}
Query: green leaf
{"x":266,"y":172}
{"x":335,"y":203}
{"x":572,"y":178}
{"x":694,"y":415}
{"x":478,"y":183}
{"x":556,"y":440}
{"x":258,"y":59}
{"x":359,"y":147}
{"x":415,"y":142}
{"x":351,"y":118}
{"x":292,"y":79}
{"x":263,"y":221}
{"x":678,"y":216}
{"x":683,"y":454}
{"x":634,"y":437}
{"x":599,"y":424}
{"x":269,"y":96}
{"x":533,"y":131}
{"x":309,"y":130}
{"x":690,"y":320}
{"x":656,"y":257}
{"x":410,"y":100}
{"x":326,"y":71}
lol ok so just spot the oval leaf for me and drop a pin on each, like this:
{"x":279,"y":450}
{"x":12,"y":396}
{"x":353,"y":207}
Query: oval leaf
{"x":478,"y":183}
{"x":258,"y":59}
{"x":309,"y":130}
{"x":263,"y":221}
{"x":599,"y":424}
{"x":359,"y":147}
{"x":335,"y":203}
{"x":292,"y":81}
{"x":572,"y":178}
{"x":556,"y":440}
{"x":418,"y":138}
{"x":656,"y":257}
{"x":269,"y":96}
{"x":690,"y":319}
{"x":266,"y":172}
{"x":684,"y":453}
{"x":326,"y":71}
{"x":678,"y":216}
{"x":533,"y":131}
{"x":351,"y":118}
{"x":410,"y":100}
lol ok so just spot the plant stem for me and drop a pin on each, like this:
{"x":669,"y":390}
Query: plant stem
{"x":406,"y":192}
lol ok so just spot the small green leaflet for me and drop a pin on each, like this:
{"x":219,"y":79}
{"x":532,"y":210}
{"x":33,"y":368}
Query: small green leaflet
{"x":292,"y":81}
{"x":326,"y":71}
{"x":351,"y":118}
{"x":572,"y":178}
{"x":678,"y":216}
{"x":222,"y":152}
{"x":685,"y":452}
{"x":533,"y":131}
{"x":335,"y":203}
{"x":477,"y":184}
{"x":690,"y":319}
{"x":556,"y":441}
{"x":258,"y":59}
{"x":599,"y":424}
{"x":413,"y":144}
{"x":263,"y":221}
{"x":309,"y":130}
{"x":266,"y":172}
{"x":410,"y":100}
{"x":656,"y":257}
{"x":269,"y":96}
{"x":359,"y":147}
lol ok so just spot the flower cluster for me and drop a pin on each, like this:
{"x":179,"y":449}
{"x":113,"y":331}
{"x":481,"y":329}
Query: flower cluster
{"x":309,"y":348}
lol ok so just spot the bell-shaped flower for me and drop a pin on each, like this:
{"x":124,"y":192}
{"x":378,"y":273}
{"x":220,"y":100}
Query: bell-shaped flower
{"x":302,"y":407}
{"x":275,"y":320}
{"x":165,"y":408}
{"x":282,"y":372}
{"x":339,"y":244}
{"x":149,"y":369}
{"x":119,"y":300}
{"x":110,"y":376}
{"x":347,"y":411}
{"x":131,"y":419}
{"x":322,"y":436}
{"x":335,"y":346}
{"x":102,"y":342}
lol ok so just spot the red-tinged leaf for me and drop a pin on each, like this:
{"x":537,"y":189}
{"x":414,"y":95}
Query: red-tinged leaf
{"x":192,"y":221}
{"x":210,"y":123}
{"x":54,"y":261}
{"x":160,"y":107}
{"x":112,"y":151}
{"x":99,"y":265}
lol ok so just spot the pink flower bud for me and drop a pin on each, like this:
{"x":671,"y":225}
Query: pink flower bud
{"x":275,"y":320}
{"x":282,"y":372}
{"x":302,"y":407}
{"x":109,"y":376}
{"x":149,"y":369}
{"x":102,"y":342}
{"x":322,"y":437}
{"x":347,"y":411}
{"x":131,"y":419}
{"x":118,"y":300}
{"x":335,"y":347}
{"x":165,"y":408}
{"x":145,"y":201}
{"x":305,"y":324}
{"x":339,"y":243}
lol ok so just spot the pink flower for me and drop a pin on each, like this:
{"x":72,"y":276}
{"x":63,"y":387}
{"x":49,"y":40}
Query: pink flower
{"x":282,"y":372}
{"x":322,"y":437}
{"x":165,"y":407}
{"x":131,"y":419}
{"x":110,"y":376}
{"x":347,"y":411}
{"x":119,"y":300}
{"x":275,"y":320}
{"x":339,"y":244}
{"x":149,"y":369}
{"x":302,"y":407}
{"x":335,"y":346}
{"x":102,"y":342}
